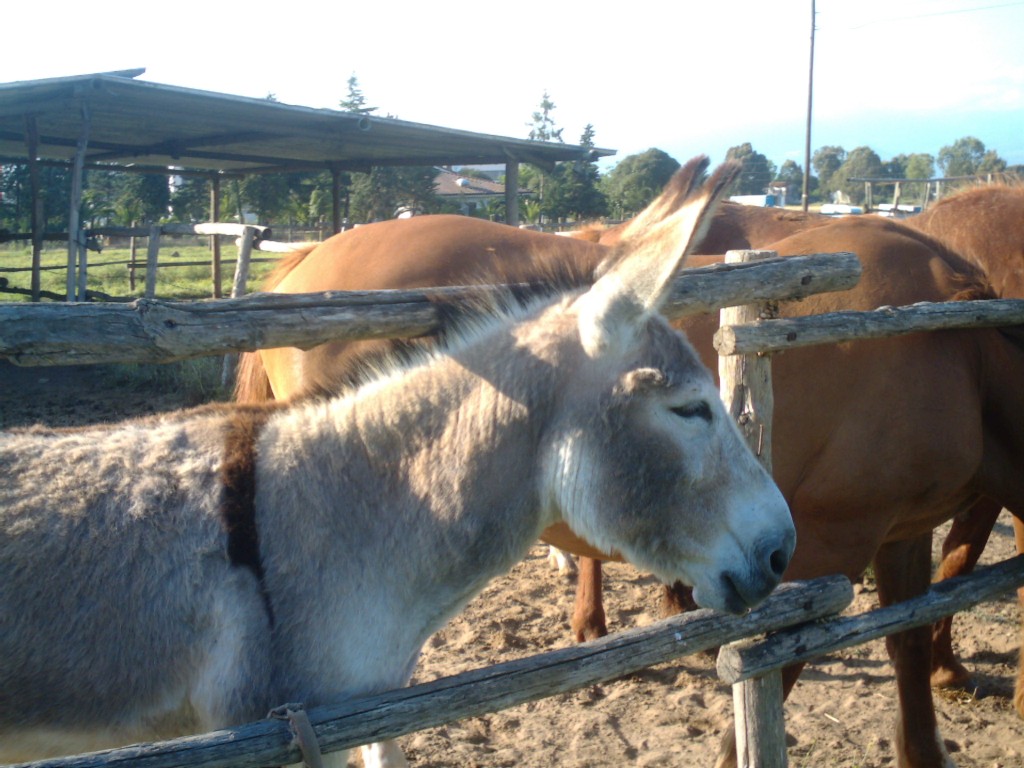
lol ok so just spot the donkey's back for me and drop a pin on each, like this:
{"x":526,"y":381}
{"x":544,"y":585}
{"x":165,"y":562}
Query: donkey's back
{"x":122,"y":615}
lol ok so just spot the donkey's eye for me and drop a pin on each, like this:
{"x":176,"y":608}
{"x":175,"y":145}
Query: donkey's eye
{"x":698,"y":410}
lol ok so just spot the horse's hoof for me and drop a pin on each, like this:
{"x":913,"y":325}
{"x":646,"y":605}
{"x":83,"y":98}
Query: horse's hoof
{"x":590,"y":632}
{"x":951,"y":675}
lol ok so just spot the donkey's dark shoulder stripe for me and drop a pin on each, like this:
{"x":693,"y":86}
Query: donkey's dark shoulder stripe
{"x":238,"y":475}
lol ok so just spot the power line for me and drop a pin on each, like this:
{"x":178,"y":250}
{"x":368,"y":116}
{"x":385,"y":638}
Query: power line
{"x":936,"y":13}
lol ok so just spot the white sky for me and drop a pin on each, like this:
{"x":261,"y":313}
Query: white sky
{"x":687,"y":77}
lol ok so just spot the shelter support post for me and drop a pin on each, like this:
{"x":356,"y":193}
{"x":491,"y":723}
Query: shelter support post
{"x":32,"y":136}
{"x":133,"y":252}
{"x":32,"y":140}
{"x":83,"y":263}
{"x":335,"y":201}
{"x":512,"y":193}
{"x":76,"y":238}
{"x":746,"y":390}
{"x":214,"y":240}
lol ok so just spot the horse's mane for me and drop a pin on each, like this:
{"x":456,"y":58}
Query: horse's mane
{"x":285,"y":265}
{"x":591,"y":232}
{"x":971,"y":280}
{"x":1011,"y":185}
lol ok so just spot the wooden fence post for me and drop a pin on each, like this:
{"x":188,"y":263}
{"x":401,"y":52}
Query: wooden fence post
{"x":241,"y":280}
{"x":746,"y":389}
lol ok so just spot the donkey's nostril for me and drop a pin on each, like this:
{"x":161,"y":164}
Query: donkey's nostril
{"x":777,"y":561}
{"x":775,"y":554}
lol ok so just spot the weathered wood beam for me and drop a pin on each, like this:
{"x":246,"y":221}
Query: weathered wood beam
{"x":749,"y":658}
{"x":152,"y":330}
{"x":831,"y":327}
{"x":746,"y":390}
{"x":395,"y":713}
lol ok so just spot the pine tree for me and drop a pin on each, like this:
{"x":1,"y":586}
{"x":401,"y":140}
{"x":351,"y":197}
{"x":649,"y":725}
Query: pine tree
{"x":543,"y":126}
{"x":355,"y":101}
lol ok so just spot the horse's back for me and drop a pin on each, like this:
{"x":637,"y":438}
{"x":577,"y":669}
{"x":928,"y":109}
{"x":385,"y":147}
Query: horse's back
{"x":420,"y":252}
{"x":435,"y":250}
{"x":736,"y":226}
{"x":986,"y":226}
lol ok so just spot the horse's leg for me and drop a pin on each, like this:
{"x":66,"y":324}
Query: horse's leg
{"x":960,"y":552}
{"x":383,"y":754}
{"x":1018,"y":693}
{"x":903,"y":570}
{"x":330,"y":760}
{"x":561,"y":561}
{"x":588,"y":619}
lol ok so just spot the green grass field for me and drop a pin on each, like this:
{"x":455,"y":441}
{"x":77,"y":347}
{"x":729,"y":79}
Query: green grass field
{"x":197,"y":380}
{"x":178,"y":276}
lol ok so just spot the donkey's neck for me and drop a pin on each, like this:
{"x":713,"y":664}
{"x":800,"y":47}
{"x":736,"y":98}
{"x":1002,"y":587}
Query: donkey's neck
{"x":429,"y":481}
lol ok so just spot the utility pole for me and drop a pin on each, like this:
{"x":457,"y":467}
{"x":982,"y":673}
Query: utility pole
{"x":810,"y":95}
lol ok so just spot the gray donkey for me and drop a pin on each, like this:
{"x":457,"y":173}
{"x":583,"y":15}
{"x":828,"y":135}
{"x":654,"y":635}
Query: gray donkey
{"x":189,"y":572}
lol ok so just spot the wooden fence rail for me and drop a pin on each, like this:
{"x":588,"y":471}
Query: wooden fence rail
{"x":489,"y":689}
{"x":788,"y":333}
{"x":152,"y":330}
{"x":747,"y":659}
{"x":749,"y":336}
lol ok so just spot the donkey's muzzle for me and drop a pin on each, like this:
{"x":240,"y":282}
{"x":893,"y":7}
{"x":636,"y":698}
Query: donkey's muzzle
{"x":744,"y":588}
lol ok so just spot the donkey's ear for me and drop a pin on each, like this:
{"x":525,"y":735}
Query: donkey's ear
{"x":652,"y":250}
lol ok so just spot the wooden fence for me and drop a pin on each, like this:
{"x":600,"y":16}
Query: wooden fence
{"x":247,"y":238}
{"x":46,"y":334}
{"x":153,"y":330}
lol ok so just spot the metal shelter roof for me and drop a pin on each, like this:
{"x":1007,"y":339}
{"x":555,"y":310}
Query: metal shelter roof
{"x":149,"y":125}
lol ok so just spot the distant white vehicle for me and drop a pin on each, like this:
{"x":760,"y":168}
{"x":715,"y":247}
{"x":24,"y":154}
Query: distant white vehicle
{"x":897,"y":211}
{"x":841,"y":209}
{"x":760,"y":201}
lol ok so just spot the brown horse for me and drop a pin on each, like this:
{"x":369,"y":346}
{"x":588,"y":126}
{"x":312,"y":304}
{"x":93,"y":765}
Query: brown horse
{"x":734,"y":227}
{"x":454,"y":250}
{"x":861,"y":444}
{"x":861,"y":449}
{"x":985,"y":225}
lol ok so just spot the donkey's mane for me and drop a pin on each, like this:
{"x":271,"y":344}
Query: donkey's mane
{"x":155,"y":419}
{"x":460,"y":323}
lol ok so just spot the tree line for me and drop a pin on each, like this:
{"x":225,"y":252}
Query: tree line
{"x":572,"y":191}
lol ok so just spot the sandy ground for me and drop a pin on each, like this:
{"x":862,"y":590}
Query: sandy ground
{"x":840,"y":715}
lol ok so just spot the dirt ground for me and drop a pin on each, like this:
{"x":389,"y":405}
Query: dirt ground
{"x":840,"y":714}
